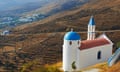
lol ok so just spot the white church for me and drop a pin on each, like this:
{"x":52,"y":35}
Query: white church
{"x":79,"y":54}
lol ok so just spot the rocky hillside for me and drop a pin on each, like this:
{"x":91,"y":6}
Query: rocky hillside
{"x":46,"y":48}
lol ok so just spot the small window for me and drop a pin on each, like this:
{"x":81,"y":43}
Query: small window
{"x":99,"y":55}
{"x":70,"y":42}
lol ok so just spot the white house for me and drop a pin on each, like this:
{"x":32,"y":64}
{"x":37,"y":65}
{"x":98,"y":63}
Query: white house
{"x":80,"y":54}
{"x":5,"y":32}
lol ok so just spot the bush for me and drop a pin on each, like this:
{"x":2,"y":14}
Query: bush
{"x":118,"y":45}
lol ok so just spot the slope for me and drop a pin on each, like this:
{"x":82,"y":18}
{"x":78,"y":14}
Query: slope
{"x":106,"y":12}
{"x":56,"y":6}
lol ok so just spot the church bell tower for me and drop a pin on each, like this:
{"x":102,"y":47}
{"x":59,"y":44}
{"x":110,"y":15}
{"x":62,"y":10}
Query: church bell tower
{"x":91,"y":29}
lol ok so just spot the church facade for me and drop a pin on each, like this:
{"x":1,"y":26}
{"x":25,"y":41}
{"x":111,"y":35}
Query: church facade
{"x":79,"y":54}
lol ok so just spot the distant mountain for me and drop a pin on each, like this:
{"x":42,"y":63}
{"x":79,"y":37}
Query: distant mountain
{"x":56,"y":6}
{"x":8,"y":4}
{"x":21,"y":12}
{"x":67,"y":11}
{"x":106,"y":13}
{"x":47,"y":7}
{"x":18,"y":7}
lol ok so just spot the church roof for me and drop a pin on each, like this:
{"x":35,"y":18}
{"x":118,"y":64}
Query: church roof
{"x":86,"y":44}
{"x":72,"y":36}
{"x":92,"y":21}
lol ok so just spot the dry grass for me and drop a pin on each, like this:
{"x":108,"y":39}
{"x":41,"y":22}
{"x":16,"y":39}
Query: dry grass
{"x":114,"y":68}
{"x":48,"y":68}
{"x":103,"y":67}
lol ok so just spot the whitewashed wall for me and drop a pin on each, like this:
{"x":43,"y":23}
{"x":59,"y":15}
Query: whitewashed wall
{"x":91,"y":32}
{"x":88,"y":57}
{"x":69,"y":54}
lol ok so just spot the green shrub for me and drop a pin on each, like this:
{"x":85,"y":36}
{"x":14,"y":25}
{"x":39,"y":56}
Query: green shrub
{"x":118,"y":44}
{"x":73,"y":65}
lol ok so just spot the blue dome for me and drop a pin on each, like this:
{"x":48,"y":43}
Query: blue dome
{"x":72,"y":36}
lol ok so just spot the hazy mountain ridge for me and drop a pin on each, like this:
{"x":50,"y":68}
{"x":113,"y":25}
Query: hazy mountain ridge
{"x":19,"y":5}
{"x":18,"y":10}
{"x":58,"y":6}
{"x":34,"y":11}
{"x":106,"y":16}
{"x":8,"y":4}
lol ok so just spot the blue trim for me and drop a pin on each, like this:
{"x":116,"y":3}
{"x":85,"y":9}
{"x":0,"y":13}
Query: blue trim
{"x":72,"y":36}
{"x":113,"y":56}
{"x":92,"y":21}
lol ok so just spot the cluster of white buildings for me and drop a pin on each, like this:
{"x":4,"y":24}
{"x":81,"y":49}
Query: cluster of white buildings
{"x":5,"y":32}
